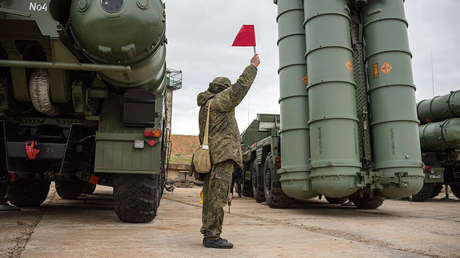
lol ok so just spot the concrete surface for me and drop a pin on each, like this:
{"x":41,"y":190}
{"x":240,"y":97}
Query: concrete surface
{"x":89,"y":228}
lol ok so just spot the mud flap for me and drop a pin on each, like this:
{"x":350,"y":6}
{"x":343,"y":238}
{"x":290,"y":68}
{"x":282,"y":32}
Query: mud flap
{"x":79,"y":155}
{"x":67,"y":156}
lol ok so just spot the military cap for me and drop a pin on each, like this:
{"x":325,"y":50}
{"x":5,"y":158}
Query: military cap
{"x":219,"y":84}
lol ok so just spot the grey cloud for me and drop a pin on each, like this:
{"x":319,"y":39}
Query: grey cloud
{"x":200,"y":34}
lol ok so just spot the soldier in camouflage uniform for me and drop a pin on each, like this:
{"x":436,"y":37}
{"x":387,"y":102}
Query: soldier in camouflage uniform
{"x":224,"y":147}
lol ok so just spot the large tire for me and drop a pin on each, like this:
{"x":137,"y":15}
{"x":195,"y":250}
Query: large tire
{"x":88,"y":188}
{"x":161,"y":186}
{"x":247,"y":185}
{"x":367,"y":203}
{"x":28,"y":193}
{"x":425,"y":193}
{"x":257,"y":188}
{"x":69,"y":190}
{"x":274,"y":196}
{"x":336,"y":200}
{"x":455,"y":187}
{"x":136,"y":197}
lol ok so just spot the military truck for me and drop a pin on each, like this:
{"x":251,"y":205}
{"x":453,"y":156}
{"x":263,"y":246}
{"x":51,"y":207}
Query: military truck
{"x":82,"y":101}
{"x":440,"y":143}
{"x":348,"y":122}
{"x":261,"y":159}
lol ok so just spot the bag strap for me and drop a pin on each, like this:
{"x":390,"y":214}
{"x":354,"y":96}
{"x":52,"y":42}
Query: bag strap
{"x":206,"y":129}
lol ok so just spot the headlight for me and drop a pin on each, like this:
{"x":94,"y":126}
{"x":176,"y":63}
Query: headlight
{"x":112,"y":6}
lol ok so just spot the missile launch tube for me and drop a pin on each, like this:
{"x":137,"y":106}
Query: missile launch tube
{"x":394,"y":123}
{"x":122,"y":32}
{"x":295,"y":147}
{"x":441,"y":136}
{"x":332,"y":102}
{"x":439,"y":108}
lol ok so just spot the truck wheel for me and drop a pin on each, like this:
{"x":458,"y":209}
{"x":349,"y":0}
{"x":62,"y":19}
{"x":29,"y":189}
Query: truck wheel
{"x":161,"y":186}
{"x":28,"y":193}
{"x":69,"y":189}
{"x":455,"y":187}
{"x":336,"y":200}
{"x":136,"y":197}
{"x":424,"y":194}
{"x":367,"y":203}
{"x":257,"y":192}
{"x":274,"y":196}
{"x":247,"y":184}
{"x":88,"y":188}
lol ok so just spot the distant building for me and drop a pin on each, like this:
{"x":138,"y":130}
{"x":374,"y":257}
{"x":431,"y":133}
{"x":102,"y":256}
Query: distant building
{"x":182,"y":148}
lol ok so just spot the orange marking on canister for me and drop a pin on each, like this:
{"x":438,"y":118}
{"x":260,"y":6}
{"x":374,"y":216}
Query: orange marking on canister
{"x":386,"y":68}
{"x":349,"y":66}
{"x":375,"y":68}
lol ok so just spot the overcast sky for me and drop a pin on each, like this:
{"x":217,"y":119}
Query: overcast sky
{"x":200,"y":34}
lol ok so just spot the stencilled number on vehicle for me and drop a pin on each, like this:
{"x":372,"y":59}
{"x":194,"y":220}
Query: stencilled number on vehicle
{"x":38,"y":7}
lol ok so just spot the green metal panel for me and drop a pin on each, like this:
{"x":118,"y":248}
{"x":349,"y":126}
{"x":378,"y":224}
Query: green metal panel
{"x":441,"y":136}
{"x":439,"y":108}
{"x":295,"y":146}
{"x":251,"y":135}
{"x":20,"y":88}
{"x":38,"y":11}
{"x":264,"y":126}
{"x":332,"y":100}
{"x":394,"y":123}
{"x":116,"y":154}
{"x":60,"y":79}
{"x":115,"y":151}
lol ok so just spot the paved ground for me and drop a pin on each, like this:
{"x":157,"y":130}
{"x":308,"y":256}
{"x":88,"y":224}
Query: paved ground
{"x":89,"y":228}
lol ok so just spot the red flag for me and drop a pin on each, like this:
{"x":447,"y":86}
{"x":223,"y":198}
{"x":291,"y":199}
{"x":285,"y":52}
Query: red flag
{"x":246,"y":37}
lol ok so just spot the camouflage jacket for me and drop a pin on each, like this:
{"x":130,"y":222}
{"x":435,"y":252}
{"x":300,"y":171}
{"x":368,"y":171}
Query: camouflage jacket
{"x":224,"y":135}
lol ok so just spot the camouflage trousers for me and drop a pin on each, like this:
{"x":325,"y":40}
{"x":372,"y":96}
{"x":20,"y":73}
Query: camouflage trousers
{"x":215,"y":190}
{"x":3,"y":191}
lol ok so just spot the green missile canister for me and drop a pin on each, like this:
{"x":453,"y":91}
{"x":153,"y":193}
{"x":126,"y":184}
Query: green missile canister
{"x":104,"y":31}
{"x":441,"y":136}
{"x":332,"y":98}
{"x":394,"y":123}
{"x":295,"y":146}
{"x":439,"y":108}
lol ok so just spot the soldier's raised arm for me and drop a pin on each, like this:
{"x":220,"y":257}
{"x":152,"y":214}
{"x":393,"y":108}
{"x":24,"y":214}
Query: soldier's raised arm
{"x":228,"y":99}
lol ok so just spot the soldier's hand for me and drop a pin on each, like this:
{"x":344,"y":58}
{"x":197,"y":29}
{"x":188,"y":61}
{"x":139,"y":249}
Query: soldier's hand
{"x":255,"y":60}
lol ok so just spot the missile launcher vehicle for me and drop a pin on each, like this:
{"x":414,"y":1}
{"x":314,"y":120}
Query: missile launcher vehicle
{"x":440,"y":143}
{"x":82,"y":101}
{"x":348,"y":120}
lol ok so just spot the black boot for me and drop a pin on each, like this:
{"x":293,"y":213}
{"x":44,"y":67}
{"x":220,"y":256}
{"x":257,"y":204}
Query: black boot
{"x":4,"y":206}
{"x":348,"y":204}
{"x":219,"y":243}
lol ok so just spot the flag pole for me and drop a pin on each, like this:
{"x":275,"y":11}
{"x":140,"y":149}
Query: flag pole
{"x":255,"y":53}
